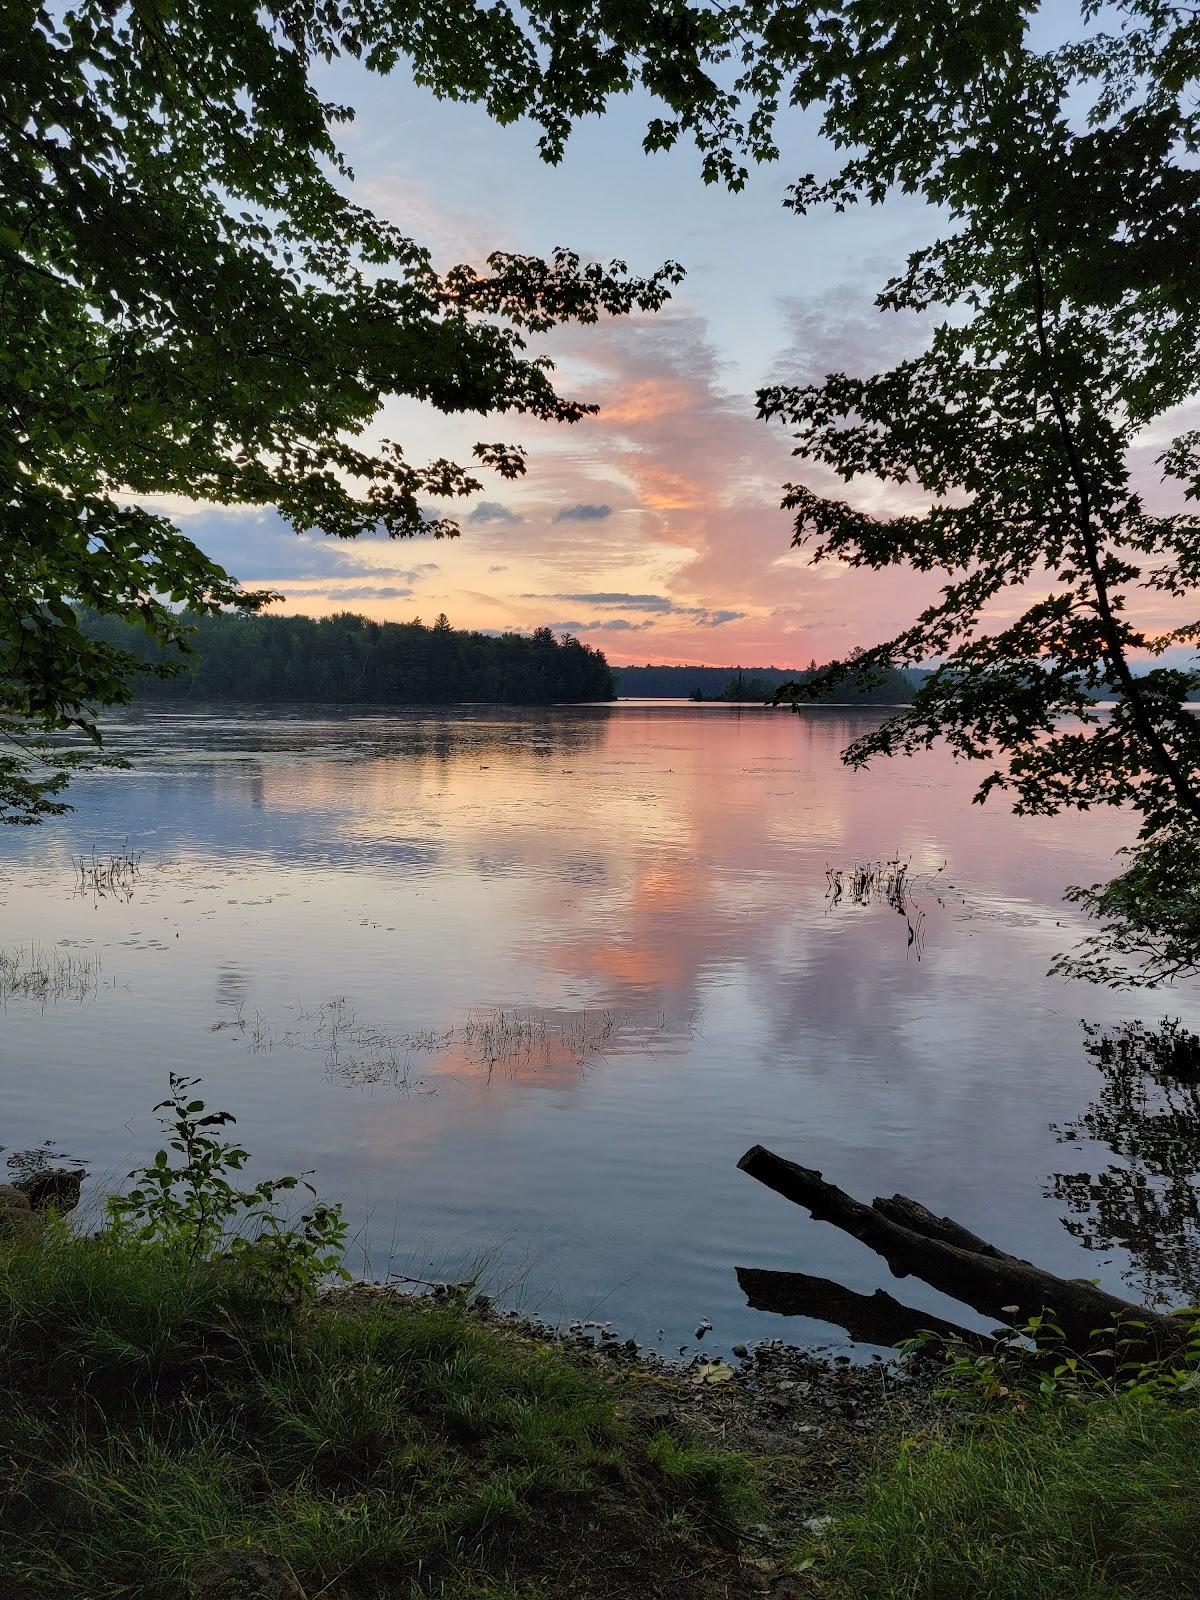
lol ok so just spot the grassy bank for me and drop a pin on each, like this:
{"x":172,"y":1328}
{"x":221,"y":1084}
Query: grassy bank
{"x":166,"y":1431}
{"x":184,"y":1416}
{"x":1091,"y":1501}
{"x":169,"y":1431}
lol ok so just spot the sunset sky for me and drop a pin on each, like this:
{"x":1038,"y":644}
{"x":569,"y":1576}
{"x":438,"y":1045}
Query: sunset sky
{"x":652,"y":530}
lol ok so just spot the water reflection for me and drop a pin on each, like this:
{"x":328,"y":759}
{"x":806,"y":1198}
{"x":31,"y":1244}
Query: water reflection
{"x":430,"y":873}
{"x":1148,"y":1116}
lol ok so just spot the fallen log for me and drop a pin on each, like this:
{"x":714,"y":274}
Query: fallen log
{"x":959,"y":1263}
{"x":868,"y":1318}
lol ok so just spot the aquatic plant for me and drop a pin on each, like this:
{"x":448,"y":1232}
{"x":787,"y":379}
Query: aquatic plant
{"x":490,"y":1038}
{"x":499,"y":1037}
{"x":25,"y":1164}
{"x":48,"y":974}
{"x":111,"y":873}
{"x":890,"y":883}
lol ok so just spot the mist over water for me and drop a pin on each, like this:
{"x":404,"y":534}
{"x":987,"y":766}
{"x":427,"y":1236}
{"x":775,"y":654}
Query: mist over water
{"x":521,"y":987}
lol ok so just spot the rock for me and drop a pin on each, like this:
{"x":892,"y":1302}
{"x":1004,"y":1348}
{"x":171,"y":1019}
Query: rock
{"x":16,"y":1214}
{"x":247,"y":1575}
{"x":740,"y":1351}
{"x":54,"y":1189}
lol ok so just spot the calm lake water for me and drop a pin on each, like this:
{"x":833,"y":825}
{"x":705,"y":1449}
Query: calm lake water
{"x":521,"y":987}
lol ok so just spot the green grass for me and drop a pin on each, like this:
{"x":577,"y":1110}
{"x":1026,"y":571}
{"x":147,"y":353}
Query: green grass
{"x":1094,"y":1500}
{"x":159,"y":1424}
{"x":154,"y":1419}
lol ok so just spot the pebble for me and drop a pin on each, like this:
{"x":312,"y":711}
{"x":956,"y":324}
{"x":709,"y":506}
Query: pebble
{"x":740,"y":1351}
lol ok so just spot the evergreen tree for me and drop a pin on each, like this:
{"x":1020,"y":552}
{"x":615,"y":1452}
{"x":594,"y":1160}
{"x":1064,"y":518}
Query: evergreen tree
{"x":350,"y":660}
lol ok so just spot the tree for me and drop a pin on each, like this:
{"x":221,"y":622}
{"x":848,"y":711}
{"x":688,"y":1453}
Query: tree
{"x":1066,"y":284}
{"x":1071,"y":325}
{"x":193,"y":305}
{"x":353,"y":660}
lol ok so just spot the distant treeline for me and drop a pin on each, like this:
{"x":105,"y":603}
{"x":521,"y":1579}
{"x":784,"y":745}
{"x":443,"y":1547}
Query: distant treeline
{"x":350,"y":659}
{"x":757,"y":683}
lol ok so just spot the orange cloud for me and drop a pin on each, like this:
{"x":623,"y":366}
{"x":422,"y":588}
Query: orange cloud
{"x":662,"y":489}
{"x":647,"y":400}
{"x":693,"y":481}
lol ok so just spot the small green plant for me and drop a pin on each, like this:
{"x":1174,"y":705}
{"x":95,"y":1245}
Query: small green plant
{"x":1032,"y":1359}
{"x":194,"y":1206}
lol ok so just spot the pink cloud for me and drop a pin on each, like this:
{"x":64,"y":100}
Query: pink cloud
{"x":671,"y":495}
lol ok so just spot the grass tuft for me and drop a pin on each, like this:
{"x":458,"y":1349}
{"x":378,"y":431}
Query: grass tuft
{"x":1079,"y":1500}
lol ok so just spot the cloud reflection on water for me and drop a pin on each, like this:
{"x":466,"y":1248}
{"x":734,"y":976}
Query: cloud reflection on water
{"x":657,"y":863}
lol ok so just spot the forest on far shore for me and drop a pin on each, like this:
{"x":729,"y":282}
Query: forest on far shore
{"x":349,"y":659}
{"x":750,"y":683}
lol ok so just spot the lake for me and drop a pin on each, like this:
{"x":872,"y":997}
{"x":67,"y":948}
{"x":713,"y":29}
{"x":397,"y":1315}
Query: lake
{"x":521,"y":986}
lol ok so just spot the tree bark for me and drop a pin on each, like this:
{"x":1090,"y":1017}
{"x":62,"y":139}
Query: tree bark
{"x":951,"y":1258}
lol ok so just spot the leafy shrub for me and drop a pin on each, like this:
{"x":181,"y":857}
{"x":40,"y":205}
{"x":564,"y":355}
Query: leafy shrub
{"x":1032,"y":1358}
{"x":194,"y":1207}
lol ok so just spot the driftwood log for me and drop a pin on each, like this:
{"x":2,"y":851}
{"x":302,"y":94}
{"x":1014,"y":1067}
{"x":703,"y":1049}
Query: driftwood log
{"x":868,"y":1318}
{"x":949,"y":1257}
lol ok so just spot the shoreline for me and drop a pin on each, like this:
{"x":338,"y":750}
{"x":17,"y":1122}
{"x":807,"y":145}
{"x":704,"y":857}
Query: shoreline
{"x":194,"y":1428}
{"x":814,"y":1424}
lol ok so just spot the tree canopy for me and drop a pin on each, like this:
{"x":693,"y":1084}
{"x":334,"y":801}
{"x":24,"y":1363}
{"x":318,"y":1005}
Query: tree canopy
{"x":194,"y":305}
{"x":1069,"y":304}
{"x":1066,"y":311}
